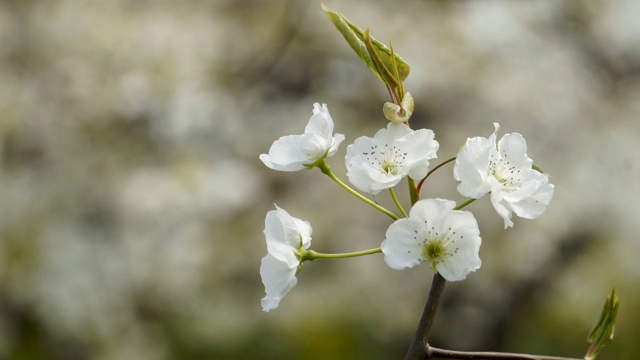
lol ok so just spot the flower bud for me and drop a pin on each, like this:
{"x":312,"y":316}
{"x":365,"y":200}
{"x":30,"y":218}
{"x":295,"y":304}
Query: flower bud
{"x":397,"y":114}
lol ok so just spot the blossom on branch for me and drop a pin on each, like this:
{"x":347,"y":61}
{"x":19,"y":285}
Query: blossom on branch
{"x":504,"y":170}
{"x":434,"y":232}
{"x":379,"y":163}
{"x":286,"y":236}
{"x":296,"y":152}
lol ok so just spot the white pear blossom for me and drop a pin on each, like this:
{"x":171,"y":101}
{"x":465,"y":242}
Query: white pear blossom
{"x":285,"y":235}
{"x":504,"y":170}
{"x":296,"y":152}
{"x":434,"y":232}
{"x":379,"y":163}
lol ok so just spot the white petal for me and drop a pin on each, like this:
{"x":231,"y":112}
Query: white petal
{"x":530,"y":182}
{"x":285,"y":234}
{"x":419,"y":146}
{"x":363,"y":145}
{"x":463,"y":244}
{"x":320,"y":122}
{"x":401,"y":248}
{"x":472,"y":166}
{"x":368,"y":178}
{"x":392,"y":133}
{"x":364,"y":149}
{"x":278,"y":244}
{"x":513,"y":148}
{"x":497,"y":201}
{"x":536,"y":204}
{"x":285,"y":154}
{"x":273,"y":229}
{"x":496,"y":128}
{"x":358,"y":174}
{"x":382,"y":182}
{"x":335,"y":143}
{"x":433,"y":211}
{"x":278,"y":280}
{"x":305,"y":231}
{"x":296,"y":230}
{"x":363,"y":170}
{"x":313,"y":147}
{"x":321,"y":125}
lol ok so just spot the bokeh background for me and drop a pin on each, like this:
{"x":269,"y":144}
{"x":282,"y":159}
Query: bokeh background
{"x":133,"y":200}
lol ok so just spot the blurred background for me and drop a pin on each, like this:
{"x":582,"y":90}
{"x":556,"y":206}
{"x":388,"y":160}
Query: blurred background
{"x":133,"y":200}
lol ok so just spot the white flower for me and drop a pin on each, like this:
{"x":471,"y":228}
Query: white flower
{"x":379,"y":163}
{"x":295,"y":152}
{"x":434,"y":232}
{"x":285,"y":236}
{"x":504,"y":170}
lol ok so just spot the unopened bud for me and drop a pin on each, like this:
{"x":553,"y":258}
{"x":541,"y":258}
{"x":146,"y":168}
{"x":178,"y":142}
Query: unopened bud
{"x":399,"y":114}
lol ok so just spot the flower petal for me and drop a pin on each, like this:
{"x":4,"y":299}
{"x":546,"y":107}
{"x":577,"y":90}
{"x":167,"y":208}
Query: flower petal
{"x":335,"y":144}
{"x":369,"y":178}
{"x":320,"y":122}
{"x":497,"y":200}
{"x":471,"y":167}
{"x":419,"y":146}
{"x":285,"y":234}
{"x":392,"y":133}
{"x":285,"y":154}
{"x":278,"y":280}
{"x":314,"y":147}
{"x":513,"y":148}
{"x":534,"y":205}
{"x":463,"y":246}
{"x":401,"y":248}
{"x":432,"y":212}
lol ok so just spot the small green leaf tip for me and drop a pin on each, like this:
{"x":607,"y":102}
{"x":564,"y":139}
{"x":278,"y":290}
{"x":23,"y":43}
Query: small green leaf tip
{"x":603,"y":331}
{"x":383,"y":62}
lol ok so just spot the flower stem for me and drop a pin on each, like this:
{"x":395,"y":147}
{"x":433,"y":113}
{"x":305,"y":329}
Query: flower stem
{"x":326,"y":169}
{"x":312,"y":255}
{"x":420,"y":343}
{"x":397,"y":202}
{"x":432,"y":171}
{"x":414,"y":192}
{"x":464,"y":204}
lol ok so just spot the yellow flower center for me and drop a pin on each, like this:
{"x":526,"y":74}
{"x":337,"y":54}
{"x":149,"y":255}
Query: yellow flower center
{"x":434,"y":252}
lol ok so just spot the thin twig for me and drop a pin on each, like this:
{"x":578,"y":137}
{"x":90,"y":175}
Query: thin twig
{"x":433,"y":352}
{"x":432,"y":171}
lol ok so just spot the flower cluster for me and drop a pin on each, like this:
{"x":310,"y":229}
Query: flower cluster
{"x":435,"y":230}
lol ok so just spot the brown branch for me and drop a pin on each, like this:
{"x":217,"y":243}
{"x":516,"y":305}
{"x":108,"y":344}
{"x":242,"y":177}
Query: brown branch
{"x":433,"y":352}
{"x":419,"y":344}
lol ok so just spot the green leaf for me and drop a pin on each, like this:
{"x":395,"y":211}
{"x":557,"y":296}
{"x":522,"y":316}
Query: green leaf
{"x":603,"y":331}
{"x":378,"y":57}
